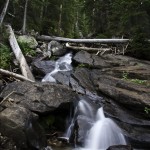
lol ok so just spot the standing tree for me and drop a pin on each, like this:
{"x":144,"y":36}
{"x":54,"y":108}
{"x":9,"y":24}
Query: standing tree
{"x":4,"y":12}
{"x":25,"y":18}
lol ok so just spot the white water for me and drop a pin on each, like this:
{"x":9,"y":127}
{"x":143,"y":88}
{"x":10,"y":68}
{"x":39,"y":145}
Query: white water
{"x":104,"y":133}
{"x":62,"y":64}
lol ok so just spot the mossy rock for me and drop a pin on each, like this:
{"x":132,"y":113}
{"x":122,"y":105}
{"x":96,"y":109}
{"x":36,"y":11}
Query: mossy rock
{"x":30,"y":40}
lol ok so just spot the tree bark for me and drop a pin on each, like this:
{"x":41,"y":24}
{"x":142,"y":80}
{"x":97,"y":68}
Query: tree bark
{"x":60,"y":19}
{"x":12,"y":74}
{"x":4,"y":12}
{"x":25,"y":18}
{"x":61,"y":39}
{"x":19,"y":56}
{"x":88,"y":48}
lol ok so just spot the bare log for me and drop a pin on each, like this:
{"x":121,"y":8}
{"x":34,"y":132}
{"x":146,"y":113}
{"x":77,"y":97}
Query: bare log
{"x":62,"y":39}
{"x":87,"y":48}
{"x":12,"y":74}
{"x":19,"y":56}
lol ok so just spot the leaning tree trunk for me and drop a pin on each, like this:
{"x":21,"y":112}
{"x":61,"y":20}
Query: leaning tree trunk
{"x":4,"y":12}
{"x":25,"y":18}
{"x":19,"y":56}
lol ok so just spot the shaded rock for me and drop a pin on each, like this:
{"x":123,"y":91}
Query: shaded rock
{"x":75,"y":86}
{"x":135,"y":100}
{"x":83,"y":57}
{"x":81,"y":81}
{"x":120,"y":147}
{"x":62,"y":77}
{"x":6,"y":143}
{"x":15,"y":122}
{"x":43,"y":67}
{"x":136,"y":129}
{"x":38,"y":97}
{"x":82,"y":125}
{"x":56,"y":48}
{"x":92,"y":60}
{"x":30,"y":40}
{"x":135,"y":68}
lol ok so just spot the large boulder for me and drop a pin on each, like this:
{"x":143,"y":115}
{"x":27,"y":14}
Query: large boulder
{"x":19,"y":114}
{"x":43,"y":67}
{"x":56,"y":48}
{"x":30,"y":40}
{"x":18,"y":124}
{"x":91,"y":60}
{"x":132,"y":95}
{"x":38,"y":97}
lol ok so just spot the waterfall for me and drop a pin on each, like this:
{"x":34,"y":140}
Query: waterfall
{"x":62,"y":64}
{"x":104,"y":133}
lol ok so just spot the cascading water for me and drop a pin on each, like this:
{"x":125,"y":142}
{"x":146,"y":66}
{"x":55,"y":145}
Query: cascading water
{"x":104,"y":133}
{"x":62,"y":64}
{"x":83,"y":109}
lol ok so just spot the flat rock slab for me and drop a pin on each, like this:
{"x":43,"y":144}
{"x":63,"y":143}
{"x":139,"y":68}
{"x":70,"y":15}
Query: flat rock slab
{"x":91,"y":60}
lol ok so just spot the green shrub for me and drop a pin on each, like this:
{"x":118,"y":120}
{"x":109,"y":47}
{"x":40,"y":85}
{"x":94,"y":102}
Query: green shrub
{"x":26,"y":50}
{"x":5,"y":56}
{"x":147,"y":110}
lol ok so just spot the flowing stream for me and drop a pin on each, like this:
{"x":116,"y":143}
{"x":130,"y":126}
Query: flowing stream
{"x":103,"y":132}
{"x":62,"y":64}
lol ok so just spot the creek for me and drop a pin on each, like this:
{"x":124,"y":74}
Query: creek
{"x":101,"y":132}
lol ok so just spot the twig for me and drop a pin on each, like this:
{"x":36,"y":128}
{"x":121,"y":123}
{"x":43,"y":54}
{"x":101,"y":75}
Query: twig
{"x":5,"y":98}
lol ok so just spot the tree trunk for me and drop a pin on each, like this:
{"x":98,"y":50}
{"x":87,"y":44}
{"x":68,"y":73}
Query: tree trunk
{"x":12,"y":74}
{"x":19,"y":56}
{"x":90,"y":49}
{"x":77,"y":26}
{"x":4,"y":12}
{"x":60,"y":19}
{"x":25,"y":18}
{"x":62,"y":39}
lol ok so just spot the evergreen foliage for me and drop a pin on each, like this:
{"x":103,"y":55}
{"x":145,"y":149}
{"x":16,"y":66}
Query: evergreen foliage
{"x":77,"y":18}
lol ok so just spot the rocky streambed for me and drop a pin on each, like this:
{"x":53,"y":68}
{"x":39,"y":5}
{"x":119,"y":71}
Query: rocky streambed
{"x":34,"y":115}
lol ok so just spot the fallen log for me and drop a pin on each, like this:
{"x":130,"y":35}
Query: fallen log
{"x":90,"y":49}
{"x":62,"y":39}
{"x":12,"y":74}
{"x":19,"y":55}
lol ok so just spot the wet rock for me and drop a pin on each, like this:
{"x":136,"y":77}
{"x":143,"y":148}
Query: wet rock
{"x":30,"y":40}
{"x":56,"y":48}
{"x":76,"y":87}
{"x":43,"y":67}
{"x":120,"y":147}
{"x":91,"y":60}
{"x":15,"y":124}
{"x":38,"y":97}
{"x":81,"y":79}
{"x":63,"y":77}
{"x":136,"y":128}
{"x":82,"y":125}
